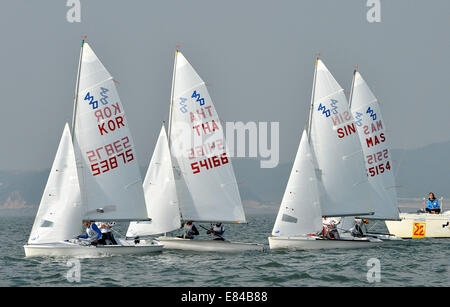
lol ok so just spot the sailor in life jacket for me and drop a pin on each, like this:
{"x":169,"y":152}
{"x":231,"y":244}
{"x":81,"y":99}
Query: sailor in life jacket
{"x":107,"y":236}
{"x":358,"y":230}
{"x":329,"y":229}
{"x":190,"y":231}
{"x":432,"y":204}
{"x":93,"y":234}
{"x":217,"y":231}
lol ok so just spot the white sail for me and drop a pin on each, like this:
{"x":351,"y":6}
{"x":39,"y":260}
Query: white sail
{"x":209,"y":190}
{"x":336,"y":145}
{"x":110,"y":180}
{"x":300,"y":211}
{"x":378,"y":161}
{"x":160,"y":194}
{"x":60,"y":211}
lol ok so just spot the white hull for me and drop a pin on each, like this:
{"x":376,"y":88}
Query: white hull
{"x":66,"y":249}
{"x":421,"y":225}
{"x":209,"y":245}
{"x":308,"y":243}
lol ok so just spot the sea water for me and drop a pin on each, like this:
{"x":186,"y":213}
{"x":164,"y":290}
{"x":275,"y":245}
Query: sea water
{"x":423,"y":262}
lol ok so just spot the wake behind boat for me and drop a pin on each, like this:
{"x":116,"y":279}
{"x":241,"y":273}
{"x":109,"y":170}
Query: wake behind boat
{"x":94,"y":177}
{"x":190,"y":176}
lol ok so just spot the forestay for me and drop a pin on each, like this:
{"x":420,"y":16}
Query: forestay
{"x":60,"y":210}
{"x":109,"y":175}
{"x":300,"y":211}
{"x":337,"y":149}
{"x":378,"y":161}
{"x":160,"y":194}
{"x":199,"y":151}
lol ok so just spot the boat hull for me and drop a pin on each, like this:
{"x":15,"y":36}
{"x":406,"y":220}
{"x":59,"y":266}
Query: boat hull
{"x":421,"y":225}
{"x":309,"y":243}
{"x":208,"y":245}
{"x":66,"y":249}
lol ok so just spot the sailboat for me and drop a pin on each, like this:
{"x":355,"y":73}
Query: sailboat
{"x":377,"y":155}
{"x":374,"y":141}
{"x":95,"y":175}
{"x":202,"y":184}
{"x":328,"y":176}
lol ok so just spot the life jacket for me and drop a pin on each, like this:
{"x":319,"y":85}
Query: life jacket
{"x":218,"y":231}
{"x":91,"y":233}
{"x":189,"y":231}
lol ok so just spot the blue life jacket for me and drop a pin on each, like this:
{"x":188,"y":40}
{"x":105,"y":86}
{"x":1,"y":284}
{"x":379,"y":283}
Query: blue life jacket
{"x":433,"y":204}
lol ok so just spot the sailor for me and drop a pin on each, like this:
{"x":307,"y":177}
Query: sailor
{"x":190,"y":231}
{"x":93,"y":234}
{"x":329,"y":230}
{"x":217,"y":231}
{"x":357,"y":230}
{"x":432,"y":204}
{"x":107,"y":236}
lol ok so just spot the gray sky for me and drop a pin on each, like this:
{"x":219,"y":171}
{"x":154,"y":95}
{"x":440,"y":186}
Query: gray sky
{"x":255,"y":55}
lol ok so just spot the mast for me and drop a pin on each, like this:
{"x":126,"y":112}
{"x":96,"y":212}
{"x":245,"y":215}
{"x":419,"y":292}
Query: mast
{"x":75,"y":99}
{"x":169,"y":126}
{"x":312,"y":100}
{"x":169,"y":129}
{"x":351,"y":91}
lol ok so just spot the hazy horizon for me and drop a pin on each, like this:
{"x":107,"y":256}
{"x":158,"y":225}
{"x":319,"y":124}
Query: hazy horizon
{"x":255,"y":56}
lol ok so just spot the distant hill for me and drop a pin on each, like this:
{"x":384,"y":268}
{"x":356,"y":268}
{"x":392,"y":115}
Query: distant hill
{"x":418,"y":171}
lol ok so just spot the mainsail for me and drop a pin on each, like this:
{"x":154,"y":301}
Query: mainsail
{"x":300,"y":211}
{"x":110,"y":180}
{"x":208,"y":190}
{"x":378,"y":161}
{"x":336,"y":146}
{"x":60,"y":211}
{"x":160,"y":194}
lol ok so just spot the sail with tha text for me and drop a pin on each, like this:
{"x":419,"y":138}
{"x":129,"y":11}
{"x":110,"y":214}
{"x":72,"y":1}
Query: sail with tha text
{"x":109,"y":175}
{"x":378,"y":160}
{"x":336,"y":146}
{"x":207,"y":189}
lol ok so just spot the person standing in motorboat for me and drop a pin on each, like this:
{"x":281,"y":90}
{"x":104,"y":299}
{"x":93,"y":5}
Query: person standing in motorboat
{"x":432,"y":204}
{"x":107,"y":236}
{"x":190,"y":231}
{"x":217,"y":231}
{"x":93,"y":233}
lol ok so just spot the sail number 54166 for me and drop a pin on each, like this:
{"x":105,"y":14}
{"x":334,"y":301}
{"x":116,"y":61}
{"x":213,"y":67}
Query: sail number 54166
{"x":209,"y":163}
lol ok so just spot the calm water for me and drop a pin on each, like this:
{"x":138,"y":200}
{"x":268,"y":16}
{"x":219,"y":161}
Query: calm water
{"x":423,"y":262}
